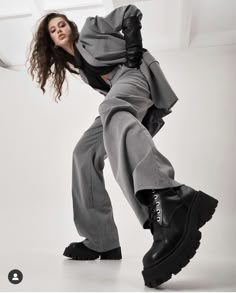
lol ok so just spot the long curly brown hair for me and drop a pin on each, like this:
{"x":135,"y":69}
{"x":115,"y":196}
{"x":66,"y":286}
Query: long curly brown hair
{"x":47,"y":61}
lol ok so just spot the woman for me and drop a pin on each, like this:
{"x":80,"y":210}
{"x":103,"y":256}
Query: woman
{"x":136,"y":97}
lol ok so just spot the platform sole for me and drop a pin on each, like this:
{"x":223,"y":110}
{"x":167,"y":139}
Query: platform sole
{"x":114,"y":254}
{"x":200,"y":212}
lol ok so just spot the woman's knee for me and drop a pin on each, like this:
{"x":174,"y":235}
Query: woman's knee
{"x":84,"y":153}
{"x":114,"y":105}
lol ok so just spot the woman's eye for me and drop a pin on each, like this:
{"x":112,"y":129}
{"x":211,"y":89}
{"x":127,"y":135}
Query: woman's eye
{"x":60,"y":25}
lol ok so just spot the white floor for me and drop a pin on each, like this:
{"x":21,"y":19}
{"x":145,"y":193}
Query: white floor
{"x":47,"y":271}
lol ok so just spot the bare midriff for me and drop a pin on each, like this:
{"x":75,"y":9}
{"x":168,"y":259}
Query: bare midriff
{"x":105,"y":76}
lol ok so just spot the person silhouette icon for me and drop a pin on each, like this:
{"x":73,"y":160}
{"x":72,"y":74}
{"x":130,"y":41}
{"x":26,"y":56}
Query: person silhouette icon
{"x":15,"y":277}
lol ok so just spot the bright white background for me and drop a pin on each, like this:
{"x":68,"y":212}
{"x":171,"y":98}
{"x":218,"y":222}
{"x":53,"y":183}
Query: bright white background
{"x":37,"y":140}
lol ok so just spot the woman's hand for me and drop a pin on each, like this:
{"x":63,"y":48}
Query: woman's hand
{"x":131,"y":29}
{"x":134,"y":60}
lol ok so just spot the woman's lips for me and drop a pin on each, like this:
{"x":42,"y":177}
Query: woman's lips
{"x":62,"y":37}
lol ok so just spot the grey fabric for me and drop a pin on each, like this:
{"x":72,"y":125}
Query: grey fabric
{"x":101,"y":43}
{"x":135,"y":162}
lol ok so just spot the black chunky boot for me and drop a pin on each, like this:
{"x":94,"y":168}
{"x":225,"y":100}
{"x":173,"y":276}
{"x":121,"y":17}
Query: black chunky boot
{"x":78,"y":251}
{"x":176,"y":214}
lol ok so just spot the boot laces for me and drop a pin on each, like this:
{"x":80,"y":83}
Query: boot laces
{"x":154,"y":207}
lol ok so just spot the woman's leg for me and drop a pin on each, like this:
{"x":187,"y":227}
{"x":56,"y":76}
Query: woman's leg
{"x":93,"y":216}
{"x":136,"y":163}
{"x":176,"y":211}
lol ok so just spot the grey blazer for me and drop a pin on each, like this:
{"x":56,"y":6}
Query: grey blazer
{"x":101,"y":44}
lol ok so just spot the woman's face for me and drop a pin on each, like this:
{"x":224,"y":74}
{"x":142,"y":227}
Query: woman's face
{"x":59,"y":31}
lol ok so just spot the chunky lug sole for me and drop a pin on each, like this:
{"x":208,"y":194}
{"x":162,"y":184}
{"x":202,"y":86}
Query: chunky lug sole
{"x":201,"y":211}
{"x":114,"y":254}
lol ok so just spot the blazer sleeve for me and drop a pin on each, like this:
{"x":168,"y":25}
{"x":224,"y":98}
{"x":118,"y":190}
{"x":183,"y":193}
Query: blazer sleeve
{"x":116,"y":17}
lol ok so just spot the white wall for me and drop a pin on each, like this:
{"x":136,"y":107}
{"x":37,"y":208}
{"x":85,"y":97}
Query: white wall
{"x":38,"y":137}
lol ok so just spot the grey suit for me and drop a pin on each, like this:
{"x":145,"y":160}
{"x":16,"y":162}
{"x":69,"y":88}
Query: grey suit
{"x":119,"y":133}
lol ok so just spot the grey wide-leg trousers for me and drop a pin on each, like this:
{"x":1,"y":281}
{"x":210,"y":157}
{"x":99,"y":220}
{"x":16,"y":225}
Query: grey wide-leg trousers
{"x":135,"y":162}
